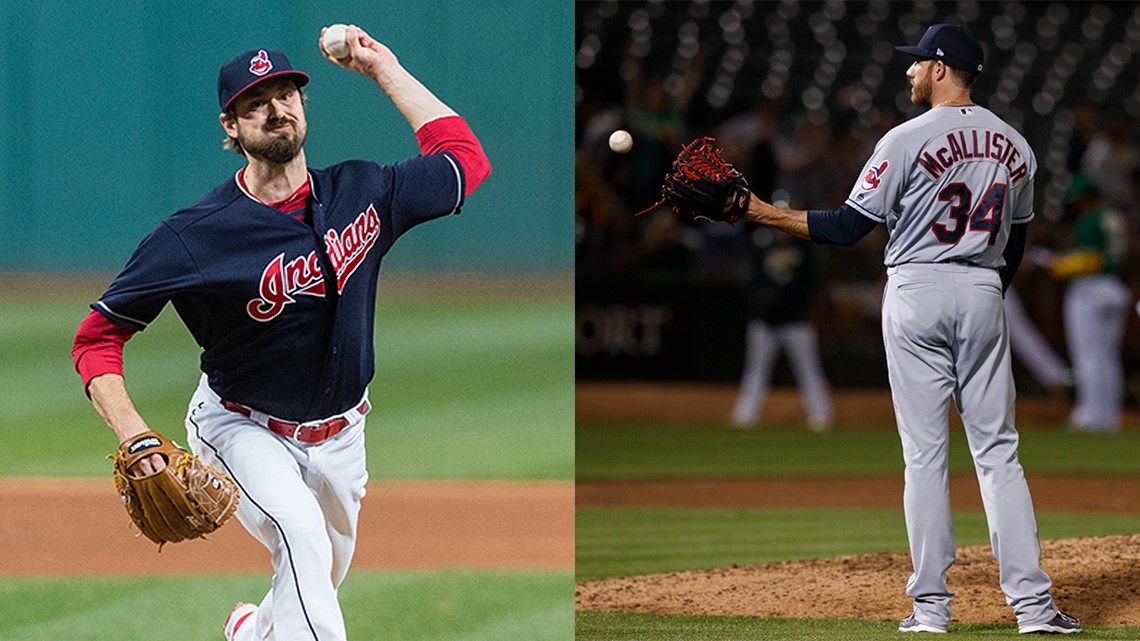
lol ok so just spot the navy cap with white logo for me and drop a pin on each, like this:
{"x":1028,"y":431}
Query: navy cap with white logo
{"x":950,"y":43}
{"x":250,"y":68}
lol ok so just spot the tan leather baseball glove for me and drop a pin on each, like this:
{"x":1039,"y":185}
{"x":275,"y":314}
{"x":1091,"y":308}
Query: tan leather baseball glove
{"x":185,"y":500}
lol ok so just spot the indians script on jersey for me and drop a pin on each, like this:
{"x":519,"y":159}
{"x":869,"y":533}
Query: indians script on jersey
{"x":302,"y":275}
{"x":966,"y":144}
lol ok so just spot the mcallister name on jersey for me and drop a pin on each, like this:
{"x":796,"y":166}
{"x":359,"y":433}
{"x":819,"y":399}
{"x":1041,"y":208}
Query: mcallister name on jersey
{"x":969,"y":144}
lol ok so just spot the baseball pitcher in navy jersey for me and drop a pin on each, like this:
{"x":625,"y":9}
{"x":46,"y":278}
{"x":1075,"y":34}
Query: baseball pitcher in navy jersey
{"x":274,"y":273}
{"x":954,"y":186}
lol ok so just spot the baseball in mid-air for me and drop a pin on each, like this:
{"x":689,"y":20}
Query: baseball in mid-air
{"x":335,"y":41}
{"x":621,"y":141}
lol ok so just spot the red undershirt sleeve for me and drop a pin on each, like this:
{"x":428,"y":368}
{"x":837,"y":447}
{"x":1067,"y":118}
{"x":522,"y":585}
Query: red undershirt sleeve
{"x":452,"y":134}
{"x":98,"y":347}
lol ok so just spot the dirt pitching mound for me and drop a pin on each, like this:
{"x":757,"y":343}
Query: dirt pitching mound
{"x":1095,"y":579}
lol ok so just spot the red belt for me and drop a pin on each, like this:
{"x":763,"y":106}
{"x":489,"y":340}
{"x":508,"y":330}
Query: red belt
{"x":306,"y":433}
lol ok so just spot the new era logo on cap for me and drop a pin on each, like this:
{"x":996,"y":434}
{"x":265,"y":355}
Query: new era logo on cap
{"x":251,"y":67}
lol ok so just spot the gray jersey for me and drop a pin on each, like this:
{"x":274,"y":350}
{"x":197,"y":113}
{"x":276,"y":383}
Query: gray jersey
{"x":948,"y":184}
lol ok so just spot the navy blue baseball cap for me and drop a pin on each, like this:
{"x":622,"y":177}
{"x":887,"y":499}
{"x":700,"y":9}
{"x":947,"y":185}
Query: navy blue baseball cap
{"x":950,"y":43}
{"x":251,"y":67}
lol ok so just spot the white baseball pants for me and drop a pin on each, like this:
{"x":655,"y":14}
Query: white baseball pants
{"x":762,"y":346}
{"x":300,"y":501}
{"x":1096,"y":310}
{"x":946,"y":337}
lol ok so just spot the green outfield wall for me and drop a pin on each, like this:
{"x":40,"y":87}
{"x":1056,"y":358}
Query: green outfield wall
{"x":109,"y":119}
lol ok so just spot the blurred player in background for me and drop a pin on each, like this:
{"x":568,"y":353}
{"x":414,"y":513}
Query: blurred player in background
{"x":1030,"y":347}
{"x":784,"y":282}
{"x":1097,"y":306}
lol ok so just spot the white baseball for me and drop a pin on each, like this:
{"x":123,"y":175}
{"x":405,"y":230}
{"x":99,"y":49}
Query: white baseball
{"x":621,"y":141}
{"x":336,"y":41}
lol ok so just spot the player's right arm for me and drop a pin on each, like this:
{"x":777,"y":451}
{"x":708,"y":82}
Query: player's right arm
{"x":98,"y":357}
{"x":159,"y":267}
{"x":109,"y":396}
{"x":1013,"y":252}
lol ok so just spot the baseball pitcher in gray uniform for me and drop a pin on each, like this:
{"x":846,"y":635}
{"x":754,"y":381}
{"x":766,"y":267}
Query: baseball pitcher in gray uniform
{"x":954,"y":186}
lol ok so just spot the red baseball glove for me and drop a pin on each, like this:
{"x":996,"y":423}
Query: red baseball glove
{"x":703,"y":185}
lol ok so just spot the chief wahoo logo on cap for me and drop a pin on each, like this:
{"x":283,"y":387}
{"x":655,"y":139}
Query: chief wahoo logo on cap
{"x":260,"y":65}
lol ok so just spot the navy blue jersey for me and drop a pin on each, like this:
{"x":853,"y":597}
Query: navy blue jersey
{"x":284,"y":310}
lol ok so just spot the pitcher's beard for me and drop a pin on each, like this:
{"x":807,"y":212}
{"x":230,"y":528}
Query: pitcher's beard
{"x":276,"y":149}
{"x":920,"y":93}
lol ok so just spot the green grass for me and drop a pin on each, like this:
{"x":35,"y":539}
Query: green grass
{"x":465,"y":388}
{"x":625,"y":542}
{"x":619,"y":626}
{"x":475,"y":389}
{"x":648,"y":450}
{"x":411,"y":606}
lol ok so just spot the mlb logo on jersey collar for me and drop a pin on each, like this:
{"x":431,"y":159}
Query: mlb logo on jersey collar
{"x":251,"y":67}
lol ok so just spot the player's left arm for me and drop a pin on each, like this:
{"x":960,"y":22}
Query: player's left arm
{"x":879,"y":189}
{"x":437,"y":126}
{"x":842,"y":226}
{"x":451,"y":134}
{"x":792,"y":221}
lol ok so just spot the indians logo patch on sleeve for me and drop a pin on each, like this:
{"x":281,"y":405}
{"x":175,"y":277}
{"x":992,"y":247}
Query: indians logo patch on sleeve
{"x":874,"y":176}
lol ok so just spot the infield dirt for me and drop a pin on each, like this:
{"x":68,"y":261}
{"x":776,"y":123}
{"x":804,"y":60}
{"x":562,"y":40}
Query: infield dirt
{"x":1096,"y":579}
{"x":67,"y":527}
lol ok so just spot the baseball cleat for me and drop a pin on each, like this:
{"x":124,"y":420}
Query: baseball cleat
{"x":911,"y":624}
{"x":1060,"y":624}
{"x":818,"y":424}
{"x":241,"y":613}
